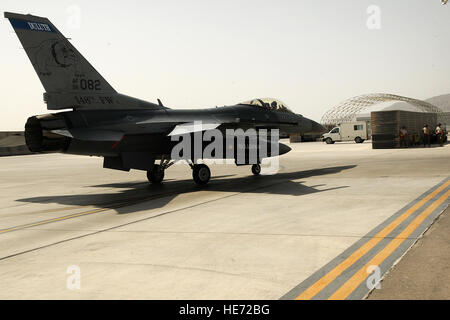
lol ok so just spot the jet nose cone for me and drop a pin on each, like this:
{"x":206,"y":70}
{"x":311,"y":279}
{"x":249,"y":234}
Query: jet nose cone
{"x":283,"y":148}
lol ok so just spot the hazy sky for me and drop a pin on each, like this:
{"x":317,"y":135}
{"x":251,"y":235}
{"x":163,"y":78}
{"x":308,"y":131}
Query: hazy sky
{"x":195,"y":54}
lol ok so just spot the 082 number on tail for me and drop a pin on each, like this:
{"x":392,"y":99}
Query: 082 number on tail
{"x":89,"y":84}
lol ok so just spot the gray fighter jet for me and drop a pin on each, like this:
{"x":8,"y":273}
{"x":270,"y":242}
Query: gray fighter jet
{"x":130,"y":133}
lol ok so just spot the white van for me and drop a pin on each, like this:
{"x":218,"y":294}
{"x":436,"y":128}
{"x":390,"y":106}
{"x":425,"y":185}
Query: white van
{"x":351,"y":131}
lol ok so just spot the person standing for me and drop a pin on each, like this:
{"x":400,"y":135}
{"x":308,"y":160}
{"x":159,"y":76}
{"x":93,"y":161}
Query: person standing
{"x":403,"y":137}
{"x":440,"y":135}
{"x":416,"y":139}
{"x":426,"y":136}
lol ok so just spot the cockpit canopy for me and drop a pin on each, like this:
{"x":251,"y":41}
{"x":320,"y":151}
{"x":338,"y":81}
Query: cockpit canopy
{"x":268,"y":103}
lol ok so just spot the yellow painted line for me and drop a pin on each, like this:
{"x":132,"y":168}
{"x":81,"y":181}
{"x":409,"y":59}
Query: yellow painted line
{"x":320,"y":284}
{"x":54,"y":220}
{"x":348,"y":287}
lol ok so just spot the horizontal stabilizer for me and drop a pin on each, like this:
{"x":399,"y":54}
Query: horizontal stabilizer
{"x":91,"y":134}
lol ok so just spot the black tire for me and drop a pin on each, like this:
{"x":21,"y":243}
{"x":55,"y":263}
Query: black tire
{"x":156,"y":174}
{"x":359,"y":140}
{"x":201,"y":174}
{"x":256,"y":169}
{"x":329,"y":141}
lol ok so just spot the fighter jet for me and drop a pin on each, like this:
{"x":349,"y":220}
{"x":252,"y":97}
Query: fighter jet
{"x":130,"y":133}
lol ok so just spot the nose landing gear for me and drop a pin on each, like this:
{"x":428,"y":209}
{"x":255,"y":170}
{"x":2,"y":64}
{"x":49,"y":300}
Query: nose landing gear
{"x":256,"y":169}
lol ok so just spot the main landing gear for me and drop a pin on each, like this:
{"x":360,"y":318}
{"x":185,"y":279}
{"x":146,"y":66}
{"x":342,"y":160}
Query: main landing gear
{"x":156,"y":174}
{"x":200,"y":172}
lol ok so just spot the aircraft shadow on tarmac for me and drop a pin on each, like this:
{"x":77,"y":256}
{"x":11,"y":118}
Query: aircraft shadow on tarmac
{"x":143,"y":196}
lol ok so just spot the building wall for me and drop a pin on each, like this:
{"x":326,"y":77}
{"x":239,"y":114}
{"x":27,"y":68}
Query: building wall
{"x":386,"y":126}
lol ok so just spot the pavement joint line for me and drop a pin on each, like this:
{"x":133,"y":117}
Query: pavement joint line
{"x":137,"y":221}
{"x":351,"y":284}
{"x":230,"y":233}
{"x":327,"y":277}
{"x":115,"y":227}
{"x":116,"y":205}
{"x":390,"y":261}
{"x":388,"y":264}
{"x":360,"y":252}
{"x":111,"y":206}
{"x":38,"y":223}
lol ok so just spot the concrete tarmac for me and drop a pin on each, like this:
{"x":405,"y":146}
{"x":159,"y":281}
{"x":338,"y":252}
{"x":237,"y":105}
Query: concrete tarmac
{"x":240,"y":237}
{"x":424,"y":272}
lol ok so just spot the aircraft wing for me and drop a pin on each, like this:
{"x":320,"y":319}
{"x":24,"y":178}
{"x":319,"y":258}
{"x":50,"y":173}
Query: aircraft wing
{"x":192,"y":127}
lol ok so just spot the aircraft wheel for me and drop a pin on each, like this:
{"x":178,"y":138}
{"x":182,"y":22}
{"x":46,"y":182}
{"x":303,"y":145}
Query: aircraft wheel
{"x":156,"y":174}
{"x":201,"y":174}
{"x":256,"y":169}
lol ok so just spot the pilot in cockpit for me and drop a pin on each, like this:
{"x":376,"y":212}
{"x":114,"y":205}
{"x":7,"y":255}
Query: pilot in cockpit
{"x":273,"y":105}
